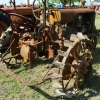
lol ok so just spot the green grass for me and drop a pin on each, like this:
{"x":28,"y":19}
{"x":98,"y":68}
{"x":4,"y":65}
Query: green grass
{"x":12,"y":89}
{"x":97,"y":22}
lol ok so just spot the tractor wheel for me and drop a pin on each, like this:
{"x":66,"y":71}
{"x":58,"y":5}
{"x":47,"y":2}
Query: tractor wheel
{"x":75,"y":62}
{"x":5,"y":22}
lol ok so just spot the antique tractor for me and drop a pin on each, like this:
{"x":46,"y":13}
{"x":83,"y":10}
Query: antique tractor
{"x":67,"y":35}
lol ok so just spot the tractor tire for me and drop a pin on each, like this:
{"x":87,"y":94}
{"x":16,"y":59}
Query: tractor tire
{"x":5,"y":22}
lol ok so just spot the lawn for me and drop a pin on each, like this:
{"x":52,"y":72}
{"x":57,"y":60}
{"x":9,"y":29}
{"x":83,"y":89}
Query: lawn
{"x":12,"y":89}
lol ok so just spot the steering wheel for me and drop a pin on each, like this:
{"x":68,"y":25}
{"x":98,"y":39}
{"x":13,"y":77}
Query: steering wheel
{"x":39,"y":8}
{"x":34,"y":10}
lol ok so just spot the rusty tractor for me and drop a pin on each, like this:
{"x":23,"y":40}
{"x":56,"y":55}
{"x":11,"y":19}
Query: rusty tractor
{"x":67,"y":35}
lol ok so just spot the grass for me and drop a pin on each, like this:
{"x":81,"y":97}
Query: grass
{"x":12,"y":89}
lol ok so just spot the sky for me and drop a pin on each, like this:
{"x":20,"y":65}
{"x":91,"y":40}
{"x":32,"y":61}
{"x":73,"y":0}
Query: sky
{"x":17,"y":2}
{"x":25,"y":1}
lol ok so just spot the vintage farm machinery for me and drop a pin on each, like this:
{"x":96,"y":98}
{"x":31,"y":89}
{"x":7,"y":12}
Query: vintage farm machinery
{"x":67,"y":35}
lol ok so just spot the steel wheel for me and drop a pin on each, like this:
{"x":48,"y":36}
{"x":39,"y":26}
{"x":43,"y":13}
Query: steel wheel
{"x":76,"y":63}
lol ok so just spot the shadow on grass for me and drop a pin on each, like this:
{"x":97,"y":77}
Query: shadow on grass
{"x":39,"y":61}
{"x":33,"y":64}
{"x":92,"y":88}
{"x":97,"y":56}
{"x":42,"y":61}
{"x":48,"y":96}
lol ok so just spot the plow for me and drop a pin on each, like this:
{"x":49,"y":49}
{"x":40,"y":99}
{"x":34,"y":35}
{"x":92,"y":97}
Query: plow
{"x":66,"y":35}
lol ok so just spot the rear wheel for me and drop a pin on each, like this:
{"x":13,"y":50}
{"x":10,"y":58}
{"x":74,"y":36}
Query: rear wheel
{"x":5,"y":22}
{"x":81,"y":65}
{"x":75,"y":63}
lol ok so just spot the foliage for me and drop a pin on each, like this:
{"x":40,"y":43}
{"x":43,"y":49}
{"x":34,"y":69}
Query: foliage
{"x":75,"y":1}
{"x":64,"y":2}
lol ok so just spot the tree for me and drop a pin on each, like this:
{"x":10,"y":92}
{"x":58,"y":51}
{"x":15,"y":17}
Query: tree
{"x":64,"y":2}
{"x":73,"y":1}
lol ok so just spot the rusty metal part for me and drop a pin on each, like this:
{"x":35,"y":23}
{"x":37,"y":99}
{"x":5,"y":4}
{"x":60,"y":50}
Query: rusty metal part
{"x":40,"y":9}
{"x":62,"y":15}
{"x":21,"y":20}
{"x":28,"y":52}
{"x":23,"y":80}
{"x":82,"y":61}
{"x":8,"y":49}
{"x":14,"y":47}
{"x":84,"y":10}
{"x":28,"y":47}
{"x":14,"y":56}
{"x":29,"y":44}
{"x":79,"y":68}
{"x":18,"y":21}
{"x":20,"y":10}
{"x":36,"y":10}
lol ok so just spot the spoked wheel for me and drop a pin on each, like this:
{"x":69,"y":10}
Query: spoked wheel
{"x":75,"y":63}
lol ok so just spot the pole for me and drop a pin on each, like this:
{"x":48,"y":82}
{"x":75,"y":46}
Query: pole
{"x":14,"y":6}
{"x":28,"y":2}
{"x":69,"y":3}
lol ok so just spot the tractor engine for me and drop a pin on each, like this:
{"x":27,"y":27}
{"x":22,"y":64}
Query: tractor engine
{"x":73,"y":21}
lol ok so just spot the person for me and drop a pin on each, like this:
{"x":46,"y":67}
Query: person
{"x":83,"y":3}
{"x":59,"y":5}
